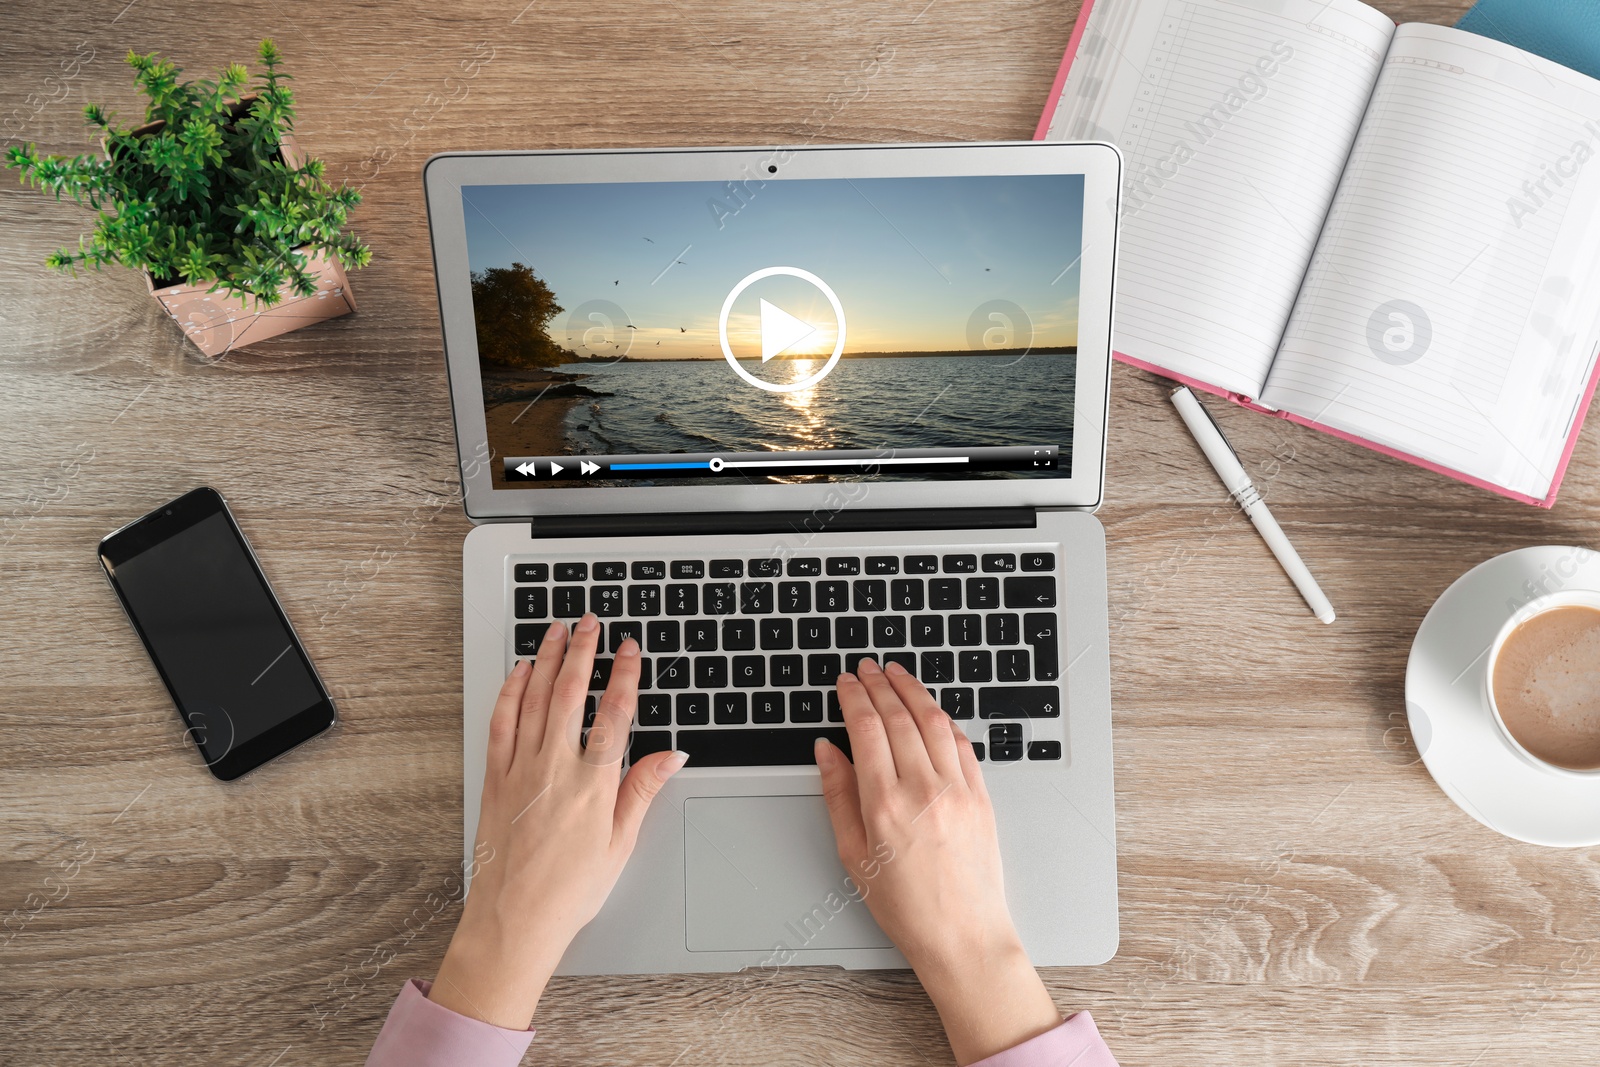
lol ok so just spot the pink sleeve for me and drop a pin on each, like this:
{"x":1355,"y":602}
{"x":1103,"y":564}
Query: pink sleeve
{"x":420,"y":1033}
{"x":1075,"y":1043}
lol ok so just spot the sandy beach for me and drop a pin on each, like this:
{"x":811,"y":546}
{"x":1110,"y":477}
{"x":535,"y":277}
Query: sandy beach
{"x":526,"y":411}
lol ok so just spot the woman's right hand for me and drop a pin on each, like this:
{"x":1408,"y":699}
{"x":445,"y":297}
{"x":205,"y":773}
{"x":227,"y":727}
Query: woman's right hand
{"x":916,"y":834}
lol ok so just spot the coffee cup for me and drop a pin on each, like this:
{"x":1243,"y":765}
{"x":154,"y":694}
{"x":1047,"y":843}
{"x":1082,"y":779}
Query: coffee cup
{"x":1542,"y":682}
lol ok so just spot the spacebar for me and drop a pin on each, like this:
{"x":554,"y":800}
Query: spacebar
{"x":758,"y":748}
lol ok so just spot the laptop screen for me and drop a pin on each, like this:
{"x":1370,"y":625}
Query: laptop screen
{"x":649,"y":333}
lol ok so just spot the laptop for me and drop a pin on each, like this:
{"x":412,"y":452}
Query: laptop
{"x":769,"y":411}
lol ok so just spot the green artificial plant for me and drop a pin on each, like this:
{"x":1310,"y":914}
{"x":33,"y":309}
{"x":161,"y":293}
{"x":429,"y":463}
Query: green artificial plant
{"x":204,"y":197}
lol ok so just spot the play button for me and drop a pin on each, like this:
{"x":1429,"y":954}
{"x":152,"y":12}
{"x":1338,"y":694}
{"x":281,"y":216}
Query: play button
{"x":781,"y":331}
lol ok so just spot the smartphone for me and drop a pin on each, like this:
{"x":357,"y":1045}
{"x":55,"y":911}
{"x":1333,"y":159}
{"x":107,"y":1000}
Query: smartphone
{"x":195,"y":594}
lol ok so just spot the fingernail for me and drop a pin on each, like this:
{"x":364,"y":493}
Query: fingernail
{"x":557,"y":629}
{"x":895,"y":668}
{"x":822,"y":749}
{"x":630,"y":647}
{"x":672,"y":764}
{"x":588,"y":624}
{"x":521,"y":667}
{"x":845,"y":676}
{"x":867,"y":666}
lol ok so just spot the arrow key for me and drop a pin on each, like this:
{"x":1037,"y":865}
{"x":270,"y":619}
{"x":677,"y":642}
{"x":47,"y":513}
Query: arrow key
{"x":1019,"y":702}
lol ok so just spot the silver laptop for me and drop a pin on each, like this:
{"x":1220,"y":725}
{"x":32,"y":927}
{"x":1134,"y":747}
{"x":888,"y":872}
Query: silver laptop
{"x":769,"y":411}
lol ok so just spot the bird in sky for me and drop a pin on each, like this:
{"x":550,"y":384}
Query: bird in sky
{"x":632,"y":327}
{"x":682,"y":330}
{"x":617,"y":282}
{"x":648,"y":239}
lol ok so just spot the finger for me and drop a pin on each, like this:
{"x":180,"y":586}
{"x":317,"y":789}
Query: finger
{"x":565,"y":720}
{"x":971,"y":769}
{"x":938,"y":735}
{"x":869,"y":745}
{"x":608,"y":737}
{"x":641,"y":785}
{"x":905,"y":739}
{"x":843,"y":798}
{"x":503,"y":721}
{"x":536,"y":697}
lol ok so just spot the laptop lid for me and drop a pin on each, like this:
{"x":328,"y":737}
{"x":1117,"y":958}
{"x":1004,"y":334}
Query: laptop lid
{"x":760,"y":329}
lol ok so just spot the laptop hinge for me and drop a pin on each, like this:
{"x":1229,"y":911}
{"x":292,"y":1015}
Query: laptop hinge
{"x":785,"y":522}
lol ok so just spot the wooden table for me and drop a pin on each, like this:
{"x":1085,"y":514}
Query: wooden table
{"x":1295,"y":888}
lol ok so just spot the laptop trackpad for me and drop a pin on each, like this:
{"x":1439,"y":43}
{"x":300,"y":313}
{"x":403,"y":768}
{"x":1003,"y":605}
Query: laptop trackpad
{"x":762,"y":872}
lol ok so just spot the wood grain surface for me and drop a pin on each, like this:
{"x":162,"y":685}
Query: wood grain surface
{"x":1295,"y":888}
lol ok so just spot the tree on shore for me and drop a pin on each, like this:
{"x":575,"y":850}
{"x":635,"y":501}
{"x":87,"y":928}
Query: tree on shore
{"x":511,"y":307}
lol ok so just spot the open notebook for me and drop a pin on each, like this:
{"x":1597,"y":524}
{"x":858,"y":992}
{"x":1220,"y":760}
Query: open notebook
{"x":1391,"y":234}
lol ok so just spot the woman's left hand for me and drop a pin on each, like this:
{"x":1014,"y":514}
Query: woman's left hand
{"x":556,"y":825}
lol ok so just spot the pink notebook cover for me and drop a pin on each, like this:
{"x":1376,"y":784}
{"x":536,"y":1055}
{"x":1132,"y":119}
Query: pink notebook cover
{"x":1577,"y":423}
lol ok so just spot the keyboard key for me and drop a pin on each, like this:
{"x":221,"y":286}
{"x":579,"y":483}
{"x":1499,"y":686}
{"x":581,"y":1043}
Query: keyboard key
{"x":662,"y":636}
{"x":794,"y":598}
{"x":922,"y":564}
{"x":749,"y":672}
{"x":960,"y":564}
{"x":683,"y":599}
{"x":755,"y":598}
{"x":938,"y":667}
{"x":983,"y":592}
{"x":777,"y":633}
{"x":694,"y":709}
{"x":653,"y":570}
{"x":787,"y":670}
{"x":978,"y":750}
{"x":927,"y":631}
{"x":1030,"y":592}
{"x":569,"y":601}
{"x":600,"y":675}
{"x":908,"y":660}
{"x":822,"y":669}
{"x":765,"y":568}
{"x":1044,"y":749}
{"x":688,"y":568}
{"x":532,"y":572}
{"x":850,"y":631}
{"x":644,"y":742}
{"x":852,"y":660}
{"x":833,"y":596}
{"x":1039,"y":630}
{"x":727,"y":568}
{"x":605,"y":600}
{"x":526,"y":637}
{"x":1011,"y":665}
{"x":720,"y":598}
{"x":966,"y":630}
{"x":889,"y":631}
{"x":728,"y":708}
{"x":655,"y":709}
{"x":958,"y":703}
{"x":610,"y":572}
{"x":619,"y":632}
{"x":1001,"y":628}
{"x":766,"y":707}
{"x":999,"y":563}
{"x":644,"y":600}
{"x":1019,"y":702}
{"x":872,"y":594}
{"x":738,"y":635}
{"x":645,"y":680}
{"x":944,"y":594}
{"x":883,"y":564}
{"x":672,"y":673}
{"x":759,"y":748}
{"x":1038,"y":561}
{"x":906,"y":594}
{"x":835,"y":712}
{"x":976,"y":666}
{"x":711,"y":672}
{"x":805,"y":706}
{"x":844,"y":565}
{"x":805,"y":567}
{"x":572,"y":572}
{"x":815,"y":633}
{"x":532,"y":603}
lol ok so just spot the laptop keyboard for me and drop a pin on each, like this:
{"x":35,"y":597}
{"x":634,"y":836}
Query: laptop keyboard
{"x":739,"y":656}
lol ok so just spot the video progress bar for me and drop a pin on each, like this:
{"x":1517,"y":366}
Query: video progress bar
{"x":1039,"y":458}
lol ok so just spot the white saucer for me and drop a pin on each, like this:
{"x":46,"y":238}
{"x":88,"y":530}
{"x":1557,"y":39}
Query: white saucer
{"x":1452,"y":725}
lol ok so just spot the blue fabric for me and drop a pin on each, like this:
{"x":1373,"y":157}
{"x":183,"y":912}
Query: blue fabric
{"x":1566,"y":31}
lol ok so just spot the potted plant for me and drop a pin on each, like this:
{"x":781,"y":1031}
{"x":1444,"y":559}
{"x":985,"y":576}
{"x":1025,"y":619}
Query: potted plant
{"x":235,"y":229}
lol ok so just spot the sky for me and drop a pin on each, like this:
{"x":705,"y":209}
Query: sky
{"x":911,"y":259}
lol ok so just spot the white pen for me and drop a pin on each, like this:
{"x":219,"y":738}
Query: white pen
{"x":1244,"y":493}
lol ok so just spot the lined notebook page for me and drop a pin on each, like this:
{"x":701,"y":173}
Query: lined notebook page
{"x":1453,"y":306}
{"x":1235,"y":118}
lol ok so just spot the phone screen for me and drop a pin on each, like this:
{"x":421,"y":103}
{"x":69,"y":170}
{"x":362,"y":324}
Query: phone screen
{"x":219,"y":639}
